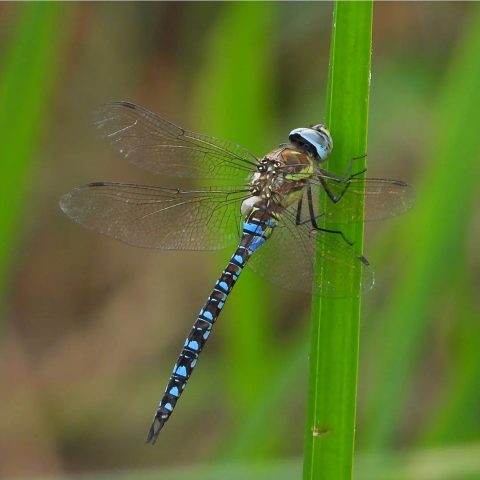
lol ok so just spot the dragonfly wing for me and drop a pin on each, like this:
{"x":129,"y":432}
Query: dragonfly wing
{"x":384,"y":198}
{"x":287,"y":259}
{"x":155,"y":217}
{"x":151,"y":142}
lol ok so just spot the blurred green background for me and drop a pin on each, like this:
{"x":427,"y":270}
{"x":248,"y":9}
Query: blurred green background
{"x":90,"y":328}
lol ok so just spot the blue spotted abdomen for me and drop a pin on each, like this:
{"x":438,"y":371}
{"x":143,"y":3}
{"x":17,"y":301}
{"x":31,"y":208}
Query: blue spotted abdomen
{"x":256,"y":230}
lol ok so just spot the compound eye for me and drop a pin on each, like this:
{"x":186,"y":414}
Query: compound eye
{"x":316,"y":140}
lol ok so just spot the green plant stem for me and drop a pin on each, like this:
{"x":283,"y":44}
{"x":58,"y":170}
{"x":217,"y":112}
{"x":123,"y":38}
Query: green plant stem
{"x":335,"y":322}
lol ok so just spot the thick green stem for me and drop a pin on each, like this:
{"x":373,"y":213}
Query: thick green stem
{"x":335,"y":322}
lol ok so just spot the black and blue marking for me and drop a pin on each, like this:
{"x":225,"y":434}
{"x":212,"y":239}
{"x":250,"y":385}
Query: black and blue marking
{"x":255,"y":232}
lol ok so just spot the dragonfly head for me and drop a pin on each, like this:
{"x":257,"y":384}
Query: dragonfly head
{"x":316,"y":140}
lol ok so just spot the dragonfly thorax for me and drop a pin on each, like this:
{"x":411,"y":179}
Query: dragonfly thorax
{"x":279,"y":178}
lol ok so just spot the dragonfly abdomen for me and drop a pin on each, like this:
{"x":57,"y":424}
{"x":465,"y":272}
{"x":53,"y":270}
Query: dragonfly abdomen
{"x":255,"y":232}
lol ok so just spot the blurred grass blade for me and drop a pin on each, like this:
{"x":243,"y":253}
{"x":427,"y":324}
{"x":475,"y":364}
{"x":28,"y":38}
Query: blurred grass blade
{"x":335,"y":322}
{"x":262,"y":430}
{"x":27,"y":73}
{"x":455,"y":419}
{"x":444,"y":205}
{"x":234,"y":102}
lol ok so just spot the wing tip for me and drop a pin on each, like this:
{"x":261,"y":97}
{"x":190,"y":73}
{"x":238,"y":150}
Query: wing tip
{"x":65,"y":203}
{"x":100,"y":117}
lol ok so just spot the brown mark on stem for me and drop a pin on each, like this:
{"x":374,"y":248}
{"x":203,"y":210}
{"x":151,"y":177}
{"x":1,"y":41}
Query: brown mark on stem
{"x":317,"y":431}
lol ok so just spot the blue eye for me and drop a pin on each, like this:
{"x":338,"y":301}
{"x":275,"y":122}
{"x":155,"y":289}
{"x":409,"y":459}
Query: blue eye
{"x":316,"y":140}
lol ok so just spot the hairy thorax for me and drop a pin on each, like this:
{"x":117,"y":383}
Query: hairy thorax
{"x":279,"y":180}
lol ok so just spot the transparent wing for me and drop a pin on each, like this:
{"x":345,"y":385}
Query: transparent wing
{"x":287,"y":259}
{"x":384,"y":198}
{"x":155,"y":217}
{"x":151,"y":142}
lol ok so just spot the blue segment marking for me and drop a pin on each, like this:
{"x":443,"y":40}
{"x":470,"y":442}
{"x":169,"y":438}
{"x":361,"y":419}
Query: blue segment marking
{"x":193,"y":345}
{"x":238,"y":259}
{"x":181,"y":371}
{"x":252,"y":228}
{"x":206,"y":315}
{"x":223,"y":286}
{"x":256,"y":243}
{"x":168,"y":406}
{"x":174,"y":391}
{"x":206,"y":334}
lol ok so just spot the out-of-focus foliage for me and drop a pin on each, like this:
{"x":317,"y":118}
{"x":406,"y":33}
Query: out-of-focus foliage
{"x":442,"y":218}
{"x":28,"y":68}
{"x":91,"y":326}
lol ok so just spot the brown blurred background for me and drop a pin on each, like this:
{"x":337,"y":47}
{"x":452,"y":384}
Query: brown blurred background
{"x":91,"y":327}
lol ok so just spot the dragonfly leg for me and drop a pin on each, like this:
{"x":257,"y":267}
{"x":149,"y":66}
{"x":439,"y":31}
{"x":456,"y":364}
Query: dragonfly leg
{"x":311,"y":219}
{"x":298,"y":220}
{"x":348,"y":173}
{"x":334,"y":198}
{"x":344,"y":179}
{"x":336,"y":232}
{"x":346,"y":182}
{"x":314,"y":221}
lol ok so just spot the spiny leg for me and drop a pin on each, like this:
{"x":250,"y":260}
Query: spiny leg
{"x":298,"y":219}
{"x":313,"y":219}
{"x":345,"y":180}
{"x":348,"y":172}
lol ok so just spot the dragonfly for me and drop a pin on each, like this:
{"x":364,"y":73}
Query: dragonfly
{"x":272,"y":208}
